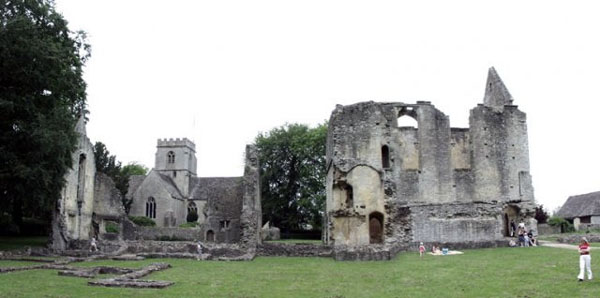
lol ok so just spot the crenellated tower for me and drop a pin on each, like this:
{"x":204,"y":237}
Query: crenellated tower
{"x":176,"y":158}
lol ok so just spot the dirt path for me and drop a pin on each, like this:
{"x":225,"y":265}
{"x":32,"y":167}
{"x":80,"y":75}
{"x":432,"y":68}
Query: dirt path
{"x":561,"y":245}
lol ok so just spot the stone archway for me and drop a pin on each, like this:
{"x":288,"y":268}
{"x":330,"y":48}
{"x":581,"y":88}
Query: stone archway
{"x":375,"y":228}
{"x":510,"y":215}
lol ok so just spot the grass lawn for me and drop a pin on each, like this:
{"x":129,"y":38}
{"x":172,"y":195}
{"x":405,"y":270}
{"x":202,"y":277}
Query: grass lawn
{"x":18,"y":242}
{"x":500,"y":272}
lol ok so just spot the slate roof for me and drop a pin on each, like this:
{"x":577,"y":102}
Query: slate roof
{"x":204,"y":188}
{"x":170,"y":186}
{"x":581,"y":205}
{"x":134,"y":183}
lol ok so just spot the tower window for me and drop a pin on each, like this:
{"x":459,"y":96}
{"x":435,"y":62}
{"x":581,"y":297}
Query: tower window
{"x":192,"y":208}
{"x":171,"y":157}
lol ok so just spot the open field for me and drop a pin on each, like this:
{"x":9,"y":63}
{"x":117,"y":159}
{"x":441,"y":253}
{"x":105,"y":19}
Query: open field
{"x":501,"y":272}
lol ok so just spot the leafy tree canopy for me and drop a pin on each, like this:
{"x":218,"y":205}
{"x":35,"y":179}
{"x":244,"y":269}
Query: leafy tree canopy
{"x":42,"y":94}
{"x":292,"y":166}
{"x":108,"y":164}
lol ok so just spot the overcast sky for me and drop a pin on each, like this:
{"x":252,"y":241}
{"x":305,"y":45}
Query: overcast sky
{"x":219,"y":72}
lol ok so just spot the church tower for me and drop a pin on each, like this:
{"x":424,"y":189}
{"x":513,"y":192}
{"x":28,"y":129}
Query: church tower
{"x":176,"y":158}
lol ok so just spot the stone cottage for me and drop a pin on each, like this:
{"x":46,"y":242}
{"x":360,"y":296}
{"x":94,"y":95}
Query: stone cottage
{"x":172,"y":190}
{"x":583,"y":211}
{"x":392,"y":186}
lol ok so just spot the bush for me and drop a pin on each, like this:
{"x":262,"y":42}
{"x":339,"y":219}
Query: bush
{"x":142,"y":221}
{"x":192,"y":216}
{"x":565,"y":226}
{"x":189,"y":225}
{"x":112,"y":227}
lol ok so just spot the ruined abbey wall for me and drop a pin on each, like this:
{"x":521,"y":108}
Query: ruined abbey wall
{"x":392,"y":186}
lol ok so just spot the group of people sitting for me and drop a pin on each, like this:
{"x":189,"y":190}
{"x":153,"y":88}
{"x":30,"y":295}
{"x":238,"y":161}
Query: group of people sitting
{"x":525,"y":237}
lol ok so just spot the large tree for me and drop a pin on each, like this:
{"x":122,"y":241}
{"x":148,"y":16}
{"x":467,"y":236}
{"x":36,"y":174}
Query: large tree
{"x":42,"y":94}
{"x":292,"y":166}
{"x":108,"y":164}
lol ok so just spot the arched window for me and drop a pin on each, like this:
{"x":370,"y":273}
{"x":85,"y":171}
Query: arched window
{"x":385,"y":156}
{"x":81,"y":178}
{"x":171,"y":157}
{"x":210,"y":236}
{"x":151,"y":208}
{"x":407,"y":117}
{"x":192,"y":208}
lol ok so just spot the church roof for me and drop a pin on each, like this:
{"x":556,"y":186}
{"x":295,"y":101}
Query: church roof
{"x":134,"y":183}
{"x":203,"y":188}
{"x":581,"y":205}
{"x":170,"y":186}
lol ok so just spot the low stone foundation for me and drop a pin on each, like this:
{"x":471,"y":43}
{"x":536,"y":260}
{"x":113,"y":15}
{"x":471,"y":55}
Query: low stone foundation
{"x":294,"y":250}
{"x":575,"y":239}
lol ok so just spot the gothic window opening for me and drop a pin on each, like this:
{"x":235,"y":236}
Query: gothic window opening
{"x":349,"y":195}
{"x":192,"y":208}
{"x":225,"y":224}
{"x":81,"y":178}
{"x":407,"y":117}
{"x":171,"y":157}
{"x":151,"y":208}
{"x":385,"y":157}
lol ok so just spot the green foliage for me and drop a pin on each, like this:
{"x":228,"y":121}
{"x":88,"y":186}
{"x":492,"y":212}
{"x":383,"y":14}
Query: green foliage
{"x":192,"y":216}
{"x":541,"y":215}
{"x":142,"y":221}
{"x":565,"y":226}
{"x":499,"y":272}
{"x":112,"y":227}
{"x":292,"y":168}
{"x":108,"y":164}
{"x":42,"y":94}
{"x":189,"y":225}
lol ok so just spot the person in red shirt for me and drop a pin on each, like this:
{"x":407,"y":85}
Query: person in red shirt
{"x":585,"y":259}
{"x":421,"y":249}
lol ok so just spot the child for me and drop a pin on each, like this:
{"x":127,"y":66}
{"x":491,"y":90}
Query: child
{"x":584,"y":259}
{"x":93,"y":245}
{"x":421,"y":249}
{"x":199,"y":250}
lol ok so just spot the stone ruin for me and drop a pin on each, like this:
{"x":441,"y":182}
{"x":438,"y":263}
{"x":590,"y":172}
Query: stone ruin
{"x":390,"y":187}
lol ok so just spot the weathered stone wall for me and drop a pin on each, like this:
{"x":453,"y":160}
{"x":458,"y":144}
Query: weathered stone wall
{"x":169,"y":234}
{"x":223,"y":210}
{"x":169,"y":201}
{"x":431,"y":182}
{"x":251,"y":216}
{"x":271,"y":249}
{"x":72,"y":219}
{"x":546,"y":229}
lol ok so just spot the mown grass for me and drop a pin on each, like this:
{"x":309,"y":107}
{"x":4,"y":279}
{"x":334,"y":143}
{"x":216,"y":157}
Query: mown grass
{"x":501,"y":272}
{"x":19,"y":242}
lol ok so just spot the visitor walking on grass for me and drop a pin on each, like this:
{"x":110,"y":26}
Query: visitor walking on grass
{"x":585,"y":260}
{"x":421,"y":249}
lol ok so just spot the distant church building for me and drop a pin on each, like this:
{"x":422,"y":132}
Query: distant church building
{"x":172,"y":190}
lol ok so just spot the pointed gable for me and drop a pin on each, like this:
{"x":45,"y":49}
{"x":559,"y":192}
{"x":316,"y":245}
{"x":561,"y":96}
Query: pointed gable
{"x":496,"y":93}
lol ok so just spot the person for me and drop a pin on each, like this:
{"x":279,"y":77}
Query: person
{"x":585,"y":260}
{"x":531,"y":239}
{"x":421,"y":249}
{"x":199,"y":249}
{"x":93,"y":244}
{"x":521,"y":238}
{"x":512,"y":228}
{"x":525,"y":238}
{"x":512,"y":243}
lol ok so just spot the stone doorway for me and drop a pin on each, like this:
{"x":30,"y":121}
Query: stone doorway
{"x":210,"y":236}
{"x":375,"y":227}
{"x":509,"y":217}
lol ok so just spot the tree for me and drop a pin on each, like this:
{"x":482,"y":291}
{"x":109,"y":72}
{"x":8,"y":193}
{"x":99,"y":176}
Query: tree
{"x":108,"y":164}
{"x":540,"y":214}
{"x":42,"y":94}
{"x":292,"y":167}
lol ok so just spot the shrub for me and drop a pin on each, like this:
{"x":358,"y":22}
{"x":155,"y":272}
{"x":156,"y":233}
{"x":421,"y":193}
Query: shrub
{"x":112,"y":227}
{"x":565,"y":226}
{"x":192,"y":216}
{"x":189,"y":225}
{"x":142,"y":221}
